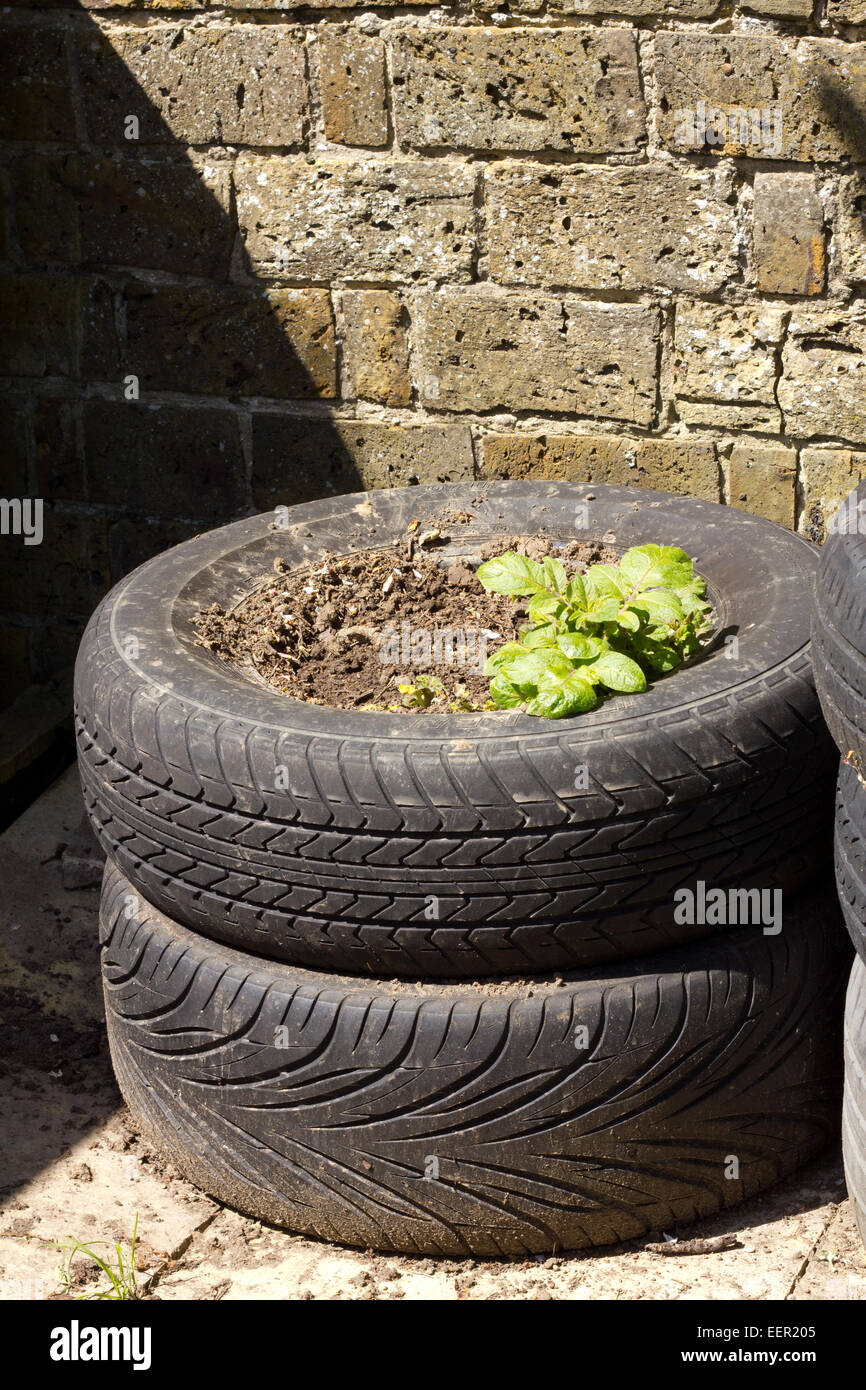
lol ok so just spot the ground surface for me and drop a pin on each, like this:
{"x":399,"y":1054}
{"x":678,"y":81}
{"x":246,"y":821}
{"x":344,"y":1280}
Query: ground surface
{"x":71,"y":1163}
{"x":351,"y":632}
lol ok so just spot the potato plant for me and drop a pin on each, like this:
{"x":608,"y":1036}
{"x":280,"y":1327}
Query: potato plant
{"x":605,"y":630}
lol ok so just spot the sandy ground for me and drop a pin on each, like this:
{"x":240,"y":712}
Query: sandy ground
{"x":72,"y":1165}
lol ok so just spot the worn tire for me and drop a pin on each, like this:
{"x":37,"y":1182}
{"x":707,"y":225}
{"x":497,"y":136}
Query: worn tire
{"x":544,"y":1139}
{"x":854,"y":1107}
{"x":722,"y":772}
{"x":839,"y":635}
{"x":851,"y":854}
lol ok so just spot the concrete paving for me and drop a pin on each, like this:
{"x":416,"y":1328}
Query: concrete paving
{"x":72,"y":1164}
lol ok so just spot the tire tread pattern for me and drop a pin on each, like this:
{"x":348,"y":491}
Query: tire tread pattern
{"x":529,"y":874}
{"x":537,"y":1142}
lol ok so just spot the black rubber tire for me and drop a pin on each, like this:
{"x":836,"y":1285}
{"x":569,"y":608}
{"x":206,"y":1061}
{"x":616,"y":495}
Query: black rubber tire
{"x":839,"y":634}
{"x":851,"y":854}
{"x":722,"y":772}
{"x":729,"y":1047}
{"x":854,"y":1107}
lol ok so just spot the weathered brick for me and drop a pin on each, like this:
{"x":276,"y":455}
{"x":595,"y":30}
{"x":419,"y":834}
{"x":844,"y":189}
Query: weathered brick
{"x":847,"y":11}
{"x":66,"y":574}
{"x":623,"y":228}
{"x":480,"y":351}
{"x":298,"y":458}
{"x":352,"y":67}
{"x":214,"y":84}
{"x":725,"y":365}
{"x":674,"y":465}
{"x":38,"y":314}
{"x":781,"y":9}
{"x":232,"y":340}
{"x":176,"y":461}
{"x":139,"y":4}
{"x":35,"y":81}
{"x":100,"y":353}
{"x":828,"y":476}
{"x":518,"y":89}
{"x":14,"y":447}
{"x":41,"y":5}
{"x":57,"y":326}
{"x":789,"y":234}
{"x":5,"y":219}
{"x":823,"y":384}
{"x":307,"y":4}
{"x":155,"y":212}
{"x":630,"y":9}
{"x":58,"y":466}
{"x":763,"y":480}
{"x":851,"y":227}
{"x":370,"y":219}
{"x":813,"y":92}
{"x":376,"y":346}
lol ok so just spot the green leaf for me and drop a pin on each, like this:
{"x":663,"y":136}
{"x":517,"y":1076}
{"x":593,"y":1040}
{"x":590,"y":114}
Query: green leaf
{"x":579,"y":648}
{"x":503,"y":693}
{"x":544,"y":606}
{"x":606,"y":629}
{"x":536,"y":638}
{"x":675,"y":555}
{"x":604,"y":611}
{"x":661,"y":656}
{"x":618,"y":672}
{"x":511,"y":574}
{"x":575,"y":593}
{"x":556,"y":699}
{"x":628,"y":619}
{"x":695,"y":589}
{"x":527,"y":671}
{"x":554,"y":575}
{"x":498,"y":658}
{"x":693,"y":599}
{"x":660,"y":606}
{"x":556,"y":665}
{"x":524,"y":672}
{"x":646,"y":566}
{"x":604,"y":581}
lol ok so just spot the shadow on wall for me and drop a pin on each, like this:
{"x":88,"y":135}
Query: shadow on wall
{"x":848,"y":118}
{"x":148,"y":376}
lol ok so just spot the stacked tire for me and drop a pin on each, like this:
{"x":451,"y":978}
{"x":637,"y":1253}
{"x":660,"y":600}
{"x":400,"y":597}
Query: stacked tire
{"x":839,"y":638}
{"x":427,"y":983}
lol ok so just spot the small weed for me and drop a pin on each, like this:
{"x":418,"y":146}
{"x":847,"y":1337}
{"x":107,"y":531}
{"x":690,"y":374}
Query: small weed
{"x":119,"y":1269}
{"x":421,"y":692}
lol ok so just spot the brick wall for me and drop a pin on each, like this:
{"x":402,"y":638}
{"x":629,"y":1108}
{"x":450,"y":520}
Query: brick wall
{"x":351,"y":248}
